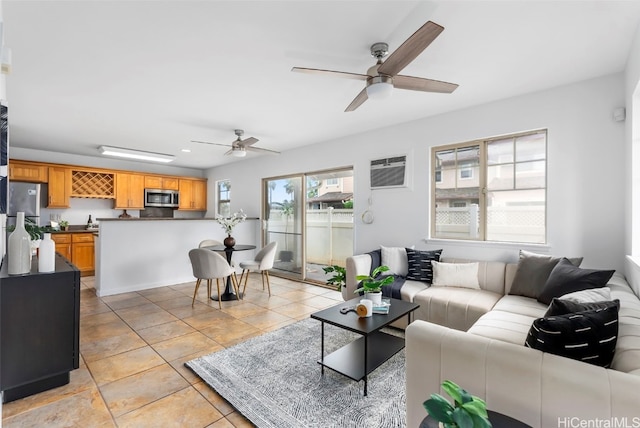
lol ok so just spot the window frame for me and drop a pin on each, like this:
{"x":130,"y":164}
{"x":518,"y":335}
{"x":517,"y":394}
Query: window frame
{"x":219,"y":200}
{"x":483,"y":190}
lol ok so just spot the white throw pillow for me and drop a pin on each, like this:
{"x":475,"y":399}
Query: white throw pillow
{"x":396,"y":259}
{"x":590,"y":295}
{"x":463,"y":275}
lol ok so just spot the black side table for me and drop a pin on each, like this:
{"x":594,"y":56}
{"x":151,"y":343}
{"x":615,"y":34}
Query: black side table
{"x":498,"y":420}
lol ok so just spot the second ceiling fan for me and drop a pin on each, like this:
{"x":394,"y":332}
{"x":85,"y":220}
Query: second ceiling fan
{"x":383,"y":76}
{"x":240,"y":147}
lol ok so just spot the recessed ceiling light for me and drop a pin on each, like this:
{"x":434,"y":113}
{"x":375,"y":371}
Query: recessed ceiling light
{"x":186,"y":150}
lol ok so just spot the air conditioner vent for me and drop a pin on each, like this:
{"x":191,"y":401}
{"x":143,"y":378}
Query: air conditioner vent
{"x":389,"y":172}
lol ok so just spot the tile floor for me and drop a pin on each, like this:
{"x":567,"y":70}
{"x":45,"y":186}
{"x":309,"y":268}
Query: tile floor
{"x":133,"y":347}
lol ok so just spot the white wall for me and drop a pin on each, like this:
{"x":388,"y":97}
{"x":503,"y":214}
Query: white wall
{"x":586,"y":178}
{"x":632,"y":148}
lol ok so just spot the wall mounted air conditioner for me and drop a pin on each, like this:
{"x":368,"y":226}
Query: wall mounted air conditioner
{"x":389,"y":172}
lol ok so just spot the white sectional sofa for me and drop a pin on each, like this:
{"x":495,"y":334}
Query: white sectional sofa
{"x":476,"y":337}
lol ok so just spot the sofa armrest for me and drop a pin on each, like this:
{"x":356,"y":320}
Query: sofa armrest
{"x":356,"y":265}
{"x":537,"y":388}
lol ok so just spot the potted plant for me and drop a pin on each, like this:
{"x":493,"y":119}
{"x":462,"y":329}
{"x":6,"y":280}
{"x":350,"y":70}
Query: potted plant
{"x":64,"y":225}
{"x":372,"y":284}
{"x":468,"y":411}
{"x":339,"y":278}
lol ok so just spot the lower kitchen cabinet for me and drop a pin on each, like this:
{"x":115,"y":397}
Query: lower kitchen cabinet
{"x":39,"y":329}
{"x":78,"y":248}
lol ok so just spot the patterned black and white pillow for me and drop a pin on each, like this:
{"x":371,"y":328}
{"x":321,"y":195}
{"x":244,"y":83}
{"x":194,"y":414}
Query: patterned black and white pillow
{"x":419,"y":264}
{"x":588,"y":336}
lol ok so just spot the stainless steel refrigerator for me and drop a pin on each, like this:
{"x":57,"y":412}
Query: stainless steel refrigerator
{"x":24,"y":197}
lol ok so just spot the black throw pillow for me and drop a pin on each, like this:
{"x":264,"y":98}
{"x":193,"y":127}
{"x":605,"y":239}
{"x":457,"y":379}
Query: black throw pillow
{"x":588,"y":336}
{"x":566,"y":278}
{"x":419,"y":264}
{"x":561,"y":307}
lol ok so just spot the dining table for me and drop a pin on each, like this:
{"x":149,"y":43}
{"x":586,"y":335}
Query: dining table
{"x":228,"y":293}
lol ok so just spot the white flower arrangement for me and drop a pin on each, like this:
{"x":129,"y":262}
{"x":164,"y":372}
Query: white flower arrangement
{"x":228,"y":223}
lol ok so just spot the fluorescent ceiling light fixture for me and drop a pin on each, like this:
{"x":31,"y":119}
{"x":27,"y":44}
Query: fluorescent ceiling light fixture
{"x":135,"y":154}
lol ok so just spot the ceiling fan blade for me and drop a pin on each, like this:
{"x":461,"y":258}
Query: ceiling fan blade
{"x":248,"y":142}
{"x":213,"y":144}
{"x":358,"y":100}
{"x":342,"y":74}
{"x":258,"y":149}
{"x":425,"y":85}
{"x":410,"y":49}
{"x":228,"y":152}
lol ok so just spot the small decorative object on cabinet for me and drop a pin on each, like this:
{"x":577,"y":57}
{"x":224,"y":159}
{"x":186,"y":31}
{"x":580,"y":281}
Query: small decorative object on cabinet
{"x":19,"y":248}
{"x":64,"y":225}
{"x":372,"y":284}
{"x":467,"y":410}
{"x":47,"y":254}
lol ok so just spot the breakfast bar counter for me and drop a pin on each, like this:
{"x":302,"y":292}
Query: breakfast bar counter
{"x":141,"y":253}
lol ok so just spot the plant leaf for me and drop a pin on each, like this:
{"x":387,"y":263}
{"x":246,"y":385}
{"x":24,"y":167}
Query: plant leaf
{"x":475,"y":407}
{"x":462,"y":418}
{"x":439,"y":408}
{"x":453,"y":390}
{"x":480,"y":422}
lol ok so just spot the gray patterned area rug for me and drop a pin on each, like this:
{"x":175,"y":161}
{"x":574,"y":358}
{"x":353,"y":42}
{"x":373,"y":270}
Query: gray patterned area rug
{"x":274,"y":380}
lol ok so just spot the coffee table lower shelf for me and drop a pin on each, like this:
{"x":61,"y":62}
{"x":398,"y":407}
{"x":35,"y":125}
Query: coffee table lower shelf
{"x":350,"y":359}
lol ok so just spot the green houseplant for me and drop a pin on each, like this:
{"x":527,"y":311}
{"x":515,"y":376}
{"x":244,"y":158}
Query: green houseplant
{"x":371,"y":285}
{"x":339,"y":278}
{"x":34,"y":231}
{"x":468,"y":411}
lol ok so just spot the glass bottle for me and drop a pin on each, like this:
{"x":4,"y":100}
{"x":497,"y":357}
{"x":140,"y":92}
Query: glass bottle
{"x":19,"y":248}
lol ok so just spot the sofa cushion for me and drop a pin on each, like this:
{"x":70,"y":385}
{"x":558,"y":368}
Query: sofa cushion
{"x":504,"y":326}
{"x":463,"y":275}
{"x":561,"y":306}
{"x":411,"y":288}
{"x":567,"y":278}
{"x":521,"y":305}
{"x":588,"y":336}
{"x":395,"y":258}
{"x":419,"y":264}
{"x":532,"y":273}
{"x":454,"y":307}
{"x":627,"y":357}
{"x":589,"y":295}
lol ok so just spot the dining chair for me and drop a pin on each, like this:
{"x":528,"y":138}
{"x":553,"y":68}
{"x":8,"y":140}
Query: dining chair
{"x":212,"y":243}
{"x":208,"y":265}
{"x":262,"y":262}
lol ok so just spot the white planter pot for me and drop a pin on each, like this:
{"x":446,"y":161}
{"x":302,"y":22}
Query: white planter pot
{"x":376,"y":298}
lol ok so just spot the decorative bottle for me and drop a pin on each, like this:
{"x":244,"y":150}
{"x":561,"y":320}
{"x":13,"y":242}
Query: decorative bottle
{"x":89,"y":223}
{"x":19,"y":248}
{"x":47,"y":254}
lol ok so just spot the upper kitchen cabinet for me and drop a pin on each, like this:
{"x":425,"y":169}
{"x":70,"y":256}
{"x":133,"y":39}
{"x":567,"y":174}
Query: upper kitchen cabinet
{"x":59,"y":187}
{"x":193,"y":195}
{"x":27,"y":171}
{"x":163,"y":183}
{"x":129,"y":191}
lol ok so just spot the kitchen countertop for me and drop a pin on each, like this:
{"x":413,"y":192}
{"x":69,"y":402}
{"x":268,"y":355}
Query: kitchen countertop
{"x":74,"y":229}
{"x":160,"y":218}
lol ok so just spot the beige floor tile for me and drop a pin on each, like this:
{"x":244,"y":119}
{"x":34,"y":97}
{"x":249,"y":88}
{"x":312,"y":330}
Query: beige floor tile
{"x":165,"y":331}
{"x":79,"y":380}
{"x":269,"y":302}
{"x":103,"y":331}
{"x":295,"y":310}
{"x":185,"y":408}
{"x":92,"y":308}
{"x":191,"y":343}
{"x":134,"y":300}
{"x":133,"y":392}
{"x":107,"y":347}
{"x":122,"y":365}
{"x":137,"y":311}
{"x":150,"y":320}
{"x":161,"y":294}
{"x":85,"y":409}
{"x":230,"y":331}
{"x":243,"y":309}
{"x":222,"y":423}
{"x":214,"y":398}
{"x":239,"y":421}
{"x":97,"y":319}
{"x":319,"y":302}
{"x":277,"y":326}
{"x":181,"y":301}
{"x":265,"y":319}
{"x":207,"y":319}
{"x":296,"y":295}
{"x":186,"y":372}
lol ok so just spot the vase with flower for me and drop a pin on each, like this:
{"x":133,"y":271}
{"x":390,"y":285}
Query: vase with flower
{"x":228,"y":223}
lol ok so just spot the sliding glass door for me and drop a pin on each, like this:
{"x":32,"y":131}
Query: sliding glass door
{"x":310,"y":216}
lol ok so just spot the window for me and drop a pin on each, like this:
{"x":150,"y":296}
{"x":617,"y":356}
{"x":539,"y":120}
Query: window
{"x":491,"y":190}
{"x":331,"y":181}
{"x":223,"y":190}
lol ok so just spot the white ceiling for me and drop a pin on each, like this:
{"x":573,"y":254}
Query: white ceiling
{"x":153,"y":75}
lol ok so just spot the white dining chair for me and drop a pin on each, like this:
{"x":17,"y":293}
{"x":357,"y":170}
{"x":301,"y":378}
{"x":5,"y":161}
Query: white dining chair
{"x":262,"y":262}
{"x":208,"y":265}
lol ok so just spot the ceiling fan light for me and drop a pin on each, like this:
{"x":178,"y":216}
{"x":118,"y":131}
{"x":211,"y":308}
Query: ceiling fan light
{"x":380,"y":88}
{"x":239,"y":153}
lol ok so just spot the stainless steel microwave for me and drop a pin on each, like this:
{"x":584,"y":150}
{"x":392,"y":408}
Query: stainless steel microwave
{"x":161,"y":198}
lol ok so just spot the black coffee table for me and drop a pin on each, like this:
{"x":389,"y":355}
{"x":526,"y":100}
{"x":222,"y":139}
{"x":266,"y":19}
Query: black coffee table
{"x":365,"y":354}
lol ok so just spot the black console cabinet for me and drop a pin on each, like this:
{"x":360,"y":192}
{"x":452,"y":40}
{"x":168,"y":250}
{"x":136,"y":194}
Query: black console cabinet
{"x":39,"y":329}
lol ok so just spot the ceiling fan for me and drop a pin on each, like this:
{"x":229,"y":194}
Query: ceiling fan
{"x":383,"y":76}
{"x":240,"y":147}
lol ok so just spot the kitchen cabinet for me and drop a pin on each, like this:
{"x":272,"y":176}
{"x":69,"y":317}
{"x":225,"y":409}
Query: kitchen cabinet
{"x":78,"y":248}
{"x":26,"y":171}
{"x":39,"y":329}
{"x":193,"y":195}
{"x":59,"y":187}
{"x":63,"y":244}
{"x":129,"y":191}
{"x":163,"y":183}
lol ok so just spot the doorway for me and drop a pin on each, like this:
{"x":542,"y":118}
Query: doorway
{"x":310,"y":215}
